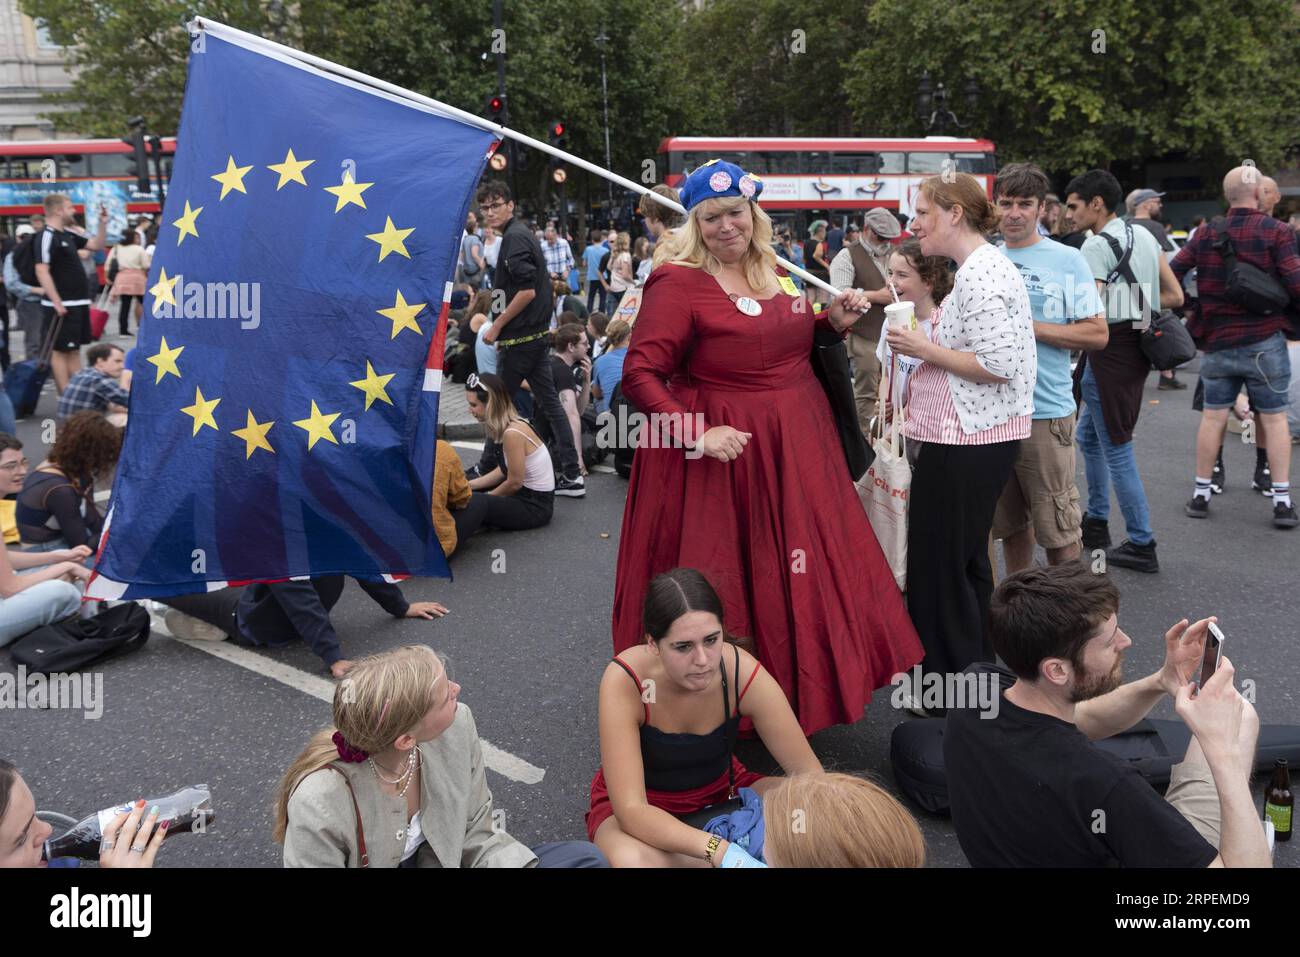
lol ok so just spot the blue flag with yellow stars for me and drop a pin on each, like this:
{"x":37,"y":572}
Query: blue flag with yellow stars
{"x":284,"y":401}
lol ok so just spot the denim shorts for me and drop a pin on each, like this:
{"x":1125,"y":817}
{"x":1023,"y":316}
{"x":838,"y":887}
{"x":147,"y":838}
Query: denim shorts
{"x":1264,"y":368}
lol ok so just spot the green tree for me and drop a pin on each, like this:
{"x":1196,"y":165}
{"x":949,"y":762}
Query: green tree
{"x":1083,"y":83}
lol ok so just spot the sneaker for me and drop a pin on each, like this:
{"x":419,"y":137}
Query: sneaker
{"x":1219,"y":477}
{"x":1263,"y":481}
{"x":571,"y":487}
{"x":1173,"y":382}
{"x":190,"y":628}
{"x":1139,"y":558}
{"x":1284,"y":516}
{"x":1198,"y":507}
{"x":1095,"y":533}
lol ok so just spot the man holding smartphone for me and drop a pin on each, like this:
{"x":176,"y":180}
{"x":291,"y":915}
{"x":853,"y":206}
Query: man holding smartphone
{"x":1027,"y":786}
{"x":64,"y":286}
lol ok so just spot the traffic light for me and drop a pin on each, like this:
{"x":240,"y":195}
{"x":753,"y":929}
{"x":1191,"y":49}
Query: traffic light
{"x":556,"y":134}
{"x":138,"y":161}
{"x":495,"y":108}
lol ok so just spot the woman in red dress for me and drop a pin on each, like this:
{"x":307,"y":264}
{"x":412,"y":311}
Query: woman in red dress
{"x":740,"y":472}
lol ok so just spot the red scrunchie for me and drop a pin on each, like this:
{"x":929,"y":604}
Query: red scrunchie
{"x":346,"y":752}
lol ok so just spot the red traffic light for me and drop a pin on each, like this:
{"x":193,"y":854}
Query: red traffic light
{"x":557,"y":129}
{"x":496,"y":104}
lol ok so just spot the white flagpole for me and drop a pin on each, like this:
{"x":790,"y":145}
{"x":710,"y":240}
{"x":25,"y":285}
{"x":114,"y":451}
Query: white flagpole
{"x":254,"y":41}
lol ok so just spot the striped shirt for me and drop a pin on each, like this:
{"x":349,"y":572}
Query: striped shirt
{"x":932,"y":416}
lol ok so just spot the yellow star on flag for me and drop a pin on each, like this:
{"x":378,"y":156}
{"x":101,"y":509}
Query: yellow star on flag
{"x":201,"y":411}
{"x":318,"y":426}
{"x":373,"y":385}
{"x":164,"y":290}
{"x":348,"y":192}
{"x":186,"y":223}
{"x":391,"y":239}
{"x":232,"y":178}
{"x":403,"y":315}
{"x":254,"y":436}
{"x":290,"y":170}
{"x":165,"y":360}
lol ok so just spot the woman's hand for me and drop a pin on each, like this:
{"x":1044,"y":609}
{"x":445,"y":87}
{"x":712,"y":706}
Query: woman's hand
{"x":78,"y":554}
{"x":908,"y":342}
{"x":848,"y":308}
{"x":341,"y":667}
{"x":127,"y":840}
{"x":723,"y":443}
{"x":73,"y":572}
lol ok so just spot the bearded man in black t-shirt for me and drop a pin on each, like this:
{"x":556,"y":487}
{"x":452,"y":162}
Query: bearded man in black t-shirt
{"x":1027,"y":786}
{"x":65,"y":289}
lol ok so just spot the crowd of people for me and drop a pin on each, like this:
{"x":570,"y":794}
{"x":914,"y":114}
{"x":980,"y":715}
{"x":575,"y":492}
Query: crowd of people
{"x":748,"y":569}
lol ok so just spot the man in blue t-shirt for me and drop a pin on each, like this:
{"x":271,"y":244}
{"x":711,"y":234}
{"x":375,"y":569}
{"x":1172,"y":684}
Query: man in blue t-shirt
{"x":1040,"y":504}
{"x":591,"y":257}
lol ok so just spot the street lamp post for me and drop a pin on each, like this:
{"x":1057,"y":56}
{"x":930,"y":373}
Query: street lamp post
{"x":601,"y":42}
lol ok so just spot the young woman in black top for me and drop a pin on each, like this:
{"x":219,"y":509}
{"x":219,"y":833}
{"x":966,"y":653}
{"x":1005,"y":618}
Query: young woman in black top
{"x":56,"y":508}
{"x":663,"y":751}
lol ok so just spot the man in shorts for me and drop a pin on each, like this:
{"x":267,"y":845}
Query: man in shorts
{"x":65,"y":289}
{"x":1040,"y":504}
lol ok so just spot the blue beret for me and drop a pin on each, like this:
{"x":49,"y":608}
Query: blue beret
{"x":717,"y":179}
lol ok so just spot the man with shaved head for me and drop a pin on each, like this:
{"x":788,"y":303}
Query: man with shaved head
{"x":1269,"y":195}
{"x":1244,"y":348}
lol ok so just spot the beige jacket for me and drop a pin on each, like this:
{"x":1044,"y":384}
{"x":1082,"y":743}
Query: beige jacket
{"x":455,"y":812}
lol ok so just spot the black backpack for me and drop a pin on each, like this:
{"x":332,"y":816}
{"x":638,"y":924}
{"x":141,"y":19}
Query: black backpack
{"x":25,"y":260}
{"x":75,"y":644}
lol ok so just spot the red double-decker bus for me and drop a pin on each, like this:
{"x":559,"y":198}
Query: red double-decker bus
{"x":803,"y":176}
{"x":91,"y":172}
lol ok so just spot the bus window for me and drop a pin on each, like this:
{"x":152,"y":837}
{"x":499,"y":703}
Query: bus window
{"x":975,"y":163}
{"x":110,"y":164}
{"x":815,"y":161}
{"x":777,"y":162}
{"x":926,"y":162}
{"x":892,"y":162}
{"x":740,"y":159}
{"x":72,"y":166}
{"x":854,"y":163}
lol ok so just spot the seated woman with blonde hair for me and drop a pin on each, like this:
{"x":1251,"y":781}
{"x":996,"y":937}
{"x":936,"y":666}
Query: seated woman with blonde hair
{"x":664,"y":755}
{"x":400,"y":781}
{"x":838,"y":820}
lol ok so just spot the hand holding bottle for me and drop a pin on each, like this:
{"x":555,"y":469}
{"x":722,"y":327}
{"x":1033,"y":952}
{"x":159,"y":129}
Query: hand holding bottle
{"x":130,"y":841}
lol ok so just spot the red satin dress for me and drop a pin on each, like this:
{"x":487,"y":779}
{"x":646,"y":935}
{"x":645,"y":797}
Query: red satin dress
{"x":779,"y":532}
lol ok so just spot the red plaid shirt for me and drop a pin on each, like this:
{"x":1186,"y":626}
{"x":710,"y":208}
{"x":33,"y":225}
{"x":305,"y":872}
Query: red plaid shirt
{"x":1258,"y":239}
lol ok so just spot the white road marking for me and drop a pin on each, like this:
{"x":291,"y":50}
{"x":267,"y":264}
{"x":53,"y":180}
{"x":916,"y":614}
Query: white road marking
{"x":502,"y":762}
{"x":466,"y":444}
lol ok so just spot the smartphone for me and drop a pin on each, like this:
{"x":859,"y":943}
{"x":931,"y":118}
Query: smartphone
{"x":1213,"y":652}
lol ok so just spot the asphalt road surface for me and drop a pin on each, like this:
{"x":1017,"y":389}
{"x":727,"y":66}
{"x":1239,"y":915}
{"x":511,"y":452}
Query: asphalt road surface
{"x":528,"y":639}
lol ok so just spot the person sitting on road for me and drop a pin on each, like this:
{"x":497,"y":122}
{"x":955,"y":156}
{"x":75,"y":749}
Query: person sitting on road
{"x":1027,"y":786}
{"x":56,"y":507}
{"x":520,"y":492}
{"x":278,"y":613}
{"x":838,"y":820}
{"x":36,"y":588}
{"x":23,"y":834}
{"x":652,"y":774}
{"x":453,"y":519}
{"x":98,"y":387}
{"x":402,"y":749}
{"x":597,"y":327}
{"x":607,"y":370}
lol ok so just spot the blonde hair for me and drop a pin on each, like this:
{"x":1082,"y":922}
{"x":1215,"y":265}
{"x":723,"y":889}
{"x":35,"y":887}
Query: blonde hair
{"x":54,"y":201}
{"x":838,"y":820}
{"x":500,"y":411}
{"x":977,"y":212}
{"x":617,"y":333}
{"x":687,"y":245}
{"x":622,"y":243}
{"x":382,"y":698}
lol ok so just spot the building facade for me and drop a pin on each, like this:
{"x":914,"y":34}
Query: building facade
{"x":30,"y":67}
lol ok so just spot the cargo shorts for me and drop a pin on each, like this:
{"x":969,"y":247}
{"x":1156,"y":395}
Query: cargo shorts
{"x":1041,"y":491}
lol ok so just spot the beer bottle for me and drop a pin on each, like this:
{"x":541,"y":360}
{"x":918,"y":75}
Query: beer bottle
{"x":1279,"y":802}
{"x":189,"y":809}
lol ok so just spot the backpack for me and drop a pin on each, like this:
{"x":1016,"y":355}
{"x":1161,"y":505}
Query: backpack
{"x":1165,"y":341}
{"x":25,"y":261}
{"x":77,"y":643}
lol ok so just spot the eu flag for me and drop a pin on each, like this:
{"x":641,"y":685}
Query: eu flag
{"x":284,"y":402}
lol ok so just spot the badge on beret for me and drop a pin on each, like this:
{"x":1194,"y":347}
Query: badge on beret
{"x":720,"y":182}
{"x":747,"y":186}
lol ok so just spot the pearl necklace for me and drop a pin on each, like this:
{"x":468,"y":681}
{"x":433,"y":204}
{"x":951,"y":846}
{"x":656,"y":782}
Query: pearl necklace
{"x":405,"y":776}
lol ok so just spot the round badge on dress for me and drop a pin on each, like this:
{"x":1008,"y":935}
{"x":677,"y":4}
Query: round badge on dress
{"x":749,"y":307}
{"x":720,"y":181}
